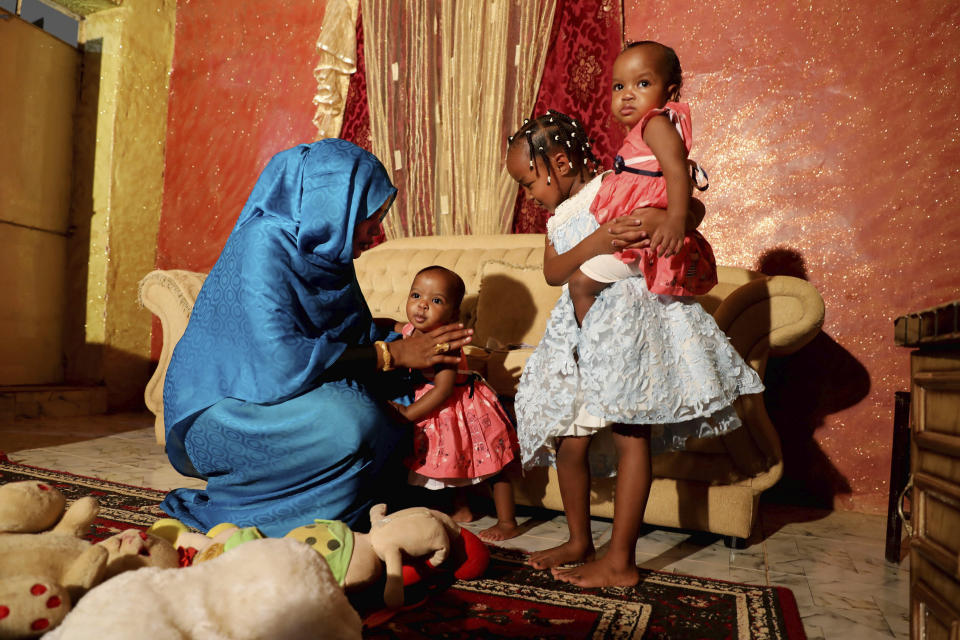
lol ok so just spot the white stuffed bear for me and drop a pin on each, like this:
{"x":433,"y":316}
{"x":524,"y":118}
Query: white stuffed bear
{"x":268,"y":588}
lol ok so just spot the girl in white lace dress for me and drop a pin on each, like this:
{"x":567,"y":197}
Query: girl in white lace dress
{"x":645,"y":371}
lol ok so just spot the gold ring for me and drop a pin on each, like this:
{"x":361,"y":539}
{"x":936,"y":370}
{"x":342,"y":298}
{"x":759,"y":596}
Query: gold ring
{"x":441,"y":347}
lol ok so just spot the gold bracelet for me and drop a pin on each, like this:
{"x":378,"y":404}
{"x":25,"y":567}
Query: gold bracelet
{"x":385,"y":354}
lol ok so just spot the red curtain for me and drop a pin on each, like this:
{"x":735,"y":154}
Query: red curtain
{"x":356,"y":113}
{"x":587,"y":35}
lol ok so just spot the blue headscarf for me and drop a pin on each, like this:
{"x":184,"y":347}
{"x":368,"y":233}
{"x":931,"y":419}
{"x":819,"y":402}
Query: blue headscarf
{"x":282,"y":303}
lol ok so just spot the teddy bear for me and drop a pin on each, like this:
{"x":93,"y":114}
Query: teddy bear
{"x":421,"y":539}
{"x":134,"y":549}
{"x":47,"y":565}
{"x":404,"y":546}
{"x":265,"y":588}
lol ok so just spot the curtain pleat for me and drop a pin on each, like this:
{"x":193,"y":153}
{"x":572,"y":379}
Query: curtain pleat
{"x":446,"y":83}
{"x":337,"y":49}
{"x":356,"y":115}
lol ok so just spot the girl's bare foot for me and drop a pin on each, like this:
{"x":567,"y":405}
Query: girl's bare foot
{"x":462,"y":513}
{"x":562,"y":554}
{"x":599,"y":573}
{"x":503,"y":530}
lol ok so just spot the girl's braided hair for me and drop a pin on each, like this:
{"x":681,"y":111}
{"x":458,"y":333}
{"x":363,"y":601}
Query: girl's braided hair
{"x":551,"y":131}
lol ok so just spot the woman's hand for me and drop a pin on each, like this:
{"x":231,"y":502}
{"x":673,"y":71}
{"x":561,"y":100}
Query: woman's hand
{"x":420,"y":351}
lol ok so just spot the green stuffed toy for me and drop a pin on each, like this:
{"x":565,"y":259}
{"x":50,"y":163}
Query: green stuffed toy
{"x":403,"y":546}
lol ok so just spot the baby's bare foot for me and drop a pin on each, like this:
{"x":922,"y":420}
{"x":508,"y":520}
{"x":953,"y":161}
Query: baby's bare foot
{"x":503,"y":530}
{"x":463,"y":514}
{"x":562,"y":554}
{"x":598,"y":573}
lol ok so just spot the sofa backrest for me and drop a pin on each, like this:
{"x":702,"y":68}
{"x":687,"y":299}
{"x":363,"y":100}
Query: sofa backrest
{"x":386,"y":271}
{"x":507,"y":300}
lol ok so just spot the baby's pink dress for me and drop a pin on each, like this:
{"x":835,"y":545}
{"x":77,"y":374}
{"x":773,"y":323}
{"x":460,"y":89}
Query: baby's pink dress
{"x":469,"y":438}
{"x":693,"y":270}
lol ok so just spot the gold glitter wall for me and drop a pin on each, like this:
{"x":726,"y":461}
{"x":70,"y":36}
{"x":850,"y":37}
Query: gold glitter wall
{"x":829,"y":131}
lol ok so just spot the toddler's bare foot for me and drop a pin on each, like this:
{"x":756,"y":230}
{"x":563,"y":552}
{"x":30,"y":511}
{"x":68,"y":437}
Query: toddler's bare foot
{"x":503,"y":530}
{"x":562,"y":554}
{"x":462,"y":513}
{"x":599,"y":573}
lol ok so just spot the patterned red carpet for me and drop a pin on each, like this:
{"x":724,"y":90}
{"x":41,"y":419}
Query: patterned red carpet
{"x":515,"y":601}
{"x":512,"y":600}
{"x":122,"y":506}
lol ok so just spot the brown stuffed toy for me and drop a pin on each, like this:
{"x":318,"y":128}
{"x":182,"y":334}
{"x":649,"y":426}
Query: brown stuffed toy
{"x":396,"y":543}
{"x":44,"y":569}
{"x":47,"y":566}
{"x":405,"y":546}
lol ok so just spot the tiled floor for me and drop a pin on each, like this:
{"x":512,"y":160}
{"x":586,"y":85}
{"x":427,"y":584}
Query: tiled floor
{"x":832,"y":561}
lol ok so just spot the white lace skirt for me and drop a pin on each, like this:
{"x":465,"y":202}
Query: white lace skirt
{"x":640,"y":358}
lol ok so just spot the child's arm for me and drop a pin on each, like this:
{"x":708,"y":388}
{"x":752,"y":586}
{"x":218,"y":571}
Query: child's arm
{"x":651,"y":218}
{"x":558,"y":267}
{"x":667,"y":145}
{"x":628,"y":232}
{"x":443,"y":382}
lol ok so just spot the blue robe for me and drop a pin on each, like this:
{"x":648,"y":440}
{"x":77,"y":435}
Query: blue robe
{"x":250,"y":401}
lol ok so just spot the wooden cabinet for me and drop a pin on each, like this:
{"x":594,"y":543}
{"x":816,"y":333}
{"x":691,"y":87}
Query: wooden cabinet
{"x":935,"y":465}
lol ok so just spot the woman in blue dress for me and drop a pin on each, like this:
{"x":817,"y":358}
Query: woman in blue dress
{"x":275,"y":394}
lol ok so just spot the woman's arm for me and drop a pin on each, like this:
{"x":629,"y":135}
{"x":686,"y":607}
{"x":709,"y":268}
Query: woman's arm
{"x":421,"y":351}
{"x":667,"y":145}
{"x":443,"y":383}
{"x":414,"y":352}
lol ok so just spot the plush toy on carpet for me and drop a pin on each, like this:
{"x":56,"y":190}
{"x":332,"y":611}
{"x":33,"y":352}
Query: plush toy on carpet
{"x":401,"y":549}
{"x":404,"y":546}
{"x":45,"y":563}
{"x":266,"y":588}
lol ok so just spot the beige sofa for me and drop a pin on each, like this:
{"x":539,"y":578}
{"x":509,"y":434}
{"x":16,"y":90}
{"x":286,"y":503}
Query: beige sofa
{"x":713,"y":487}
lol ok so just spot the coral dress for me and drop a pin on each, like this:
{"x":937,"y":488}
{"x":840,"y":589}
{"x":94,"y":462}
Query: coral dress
{"x":639,"y":182}
{"x":468,"y":439}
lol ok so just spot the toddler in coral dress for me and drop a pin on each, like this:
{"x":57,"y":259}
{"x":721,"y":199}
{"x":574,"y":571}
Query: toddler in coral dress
{"x":651,"y":170}
{"x":462,"y":435}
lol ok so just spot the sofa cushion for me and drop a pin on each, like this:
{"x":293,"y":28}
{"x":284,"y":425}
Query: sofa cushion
{"x":513,"y":307}
{"x":514,"y":304}
{"x":386,"y":271}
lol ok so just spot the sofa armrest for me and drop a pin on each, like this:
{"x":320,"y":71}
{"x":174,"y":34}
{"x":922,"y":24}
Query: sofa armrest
{"x":170,"y":296}
{"x":775,"y":315}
